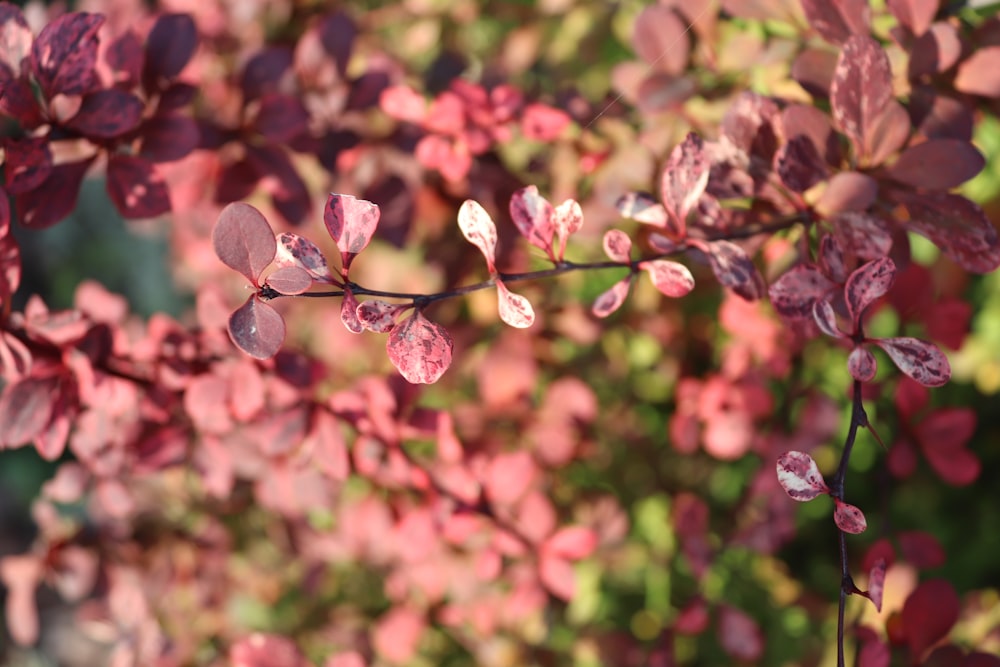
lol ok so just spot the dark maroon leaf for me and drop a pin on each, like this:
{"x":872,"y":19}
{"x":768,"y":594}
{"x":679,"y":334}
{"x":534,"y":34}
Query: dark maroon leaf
{"x":15,"y":37}
{"x":176,"y":96}
{"x":838,"y":20}
{"x":237,"y":180}
{"x":957,"y":226}
{"x":337,"y":33}
{"x":264,"y":72}
{"x":749,"y":124}
{"x":257,"y":329}
{"x":243,"y":240}
{"x":64,"y":54}
{"x":683,"y":183}
{"x":420,"y":349}
{"x":799,"y":476}
{"x":939,"y":116}
{"x":862,"y":234}
{"x":831,"y":258}
{"x":288,"y":191}
{"x":25,"y":409}
{"x":928,"y":614}
{"x":868,"y":283}
{"x":921,"y":360}
{"x":861,"y":89}
{"x":935,"y":51}
{"x":10,"y":268}
{"x":290,"y":280}
{"x":169,"y":137}
{"x":107,"y":113}
{"x":281,"y":117}
{"x":135,"y":187}
{"x":170,"y":45}
{"x":125,"y":56}
{"x":54,"y":199}
{"x":18,"y":101}
{"x":889,"y":133}
{"x":938,"y":164}
{"x":799,"y":165}
{"x":979,"y":74}
{"x":943,"y":436}
{"x":27,"y":163}
{"x":794,"y":293}
{"x":366,"y":90}
{"x":660,"y":38}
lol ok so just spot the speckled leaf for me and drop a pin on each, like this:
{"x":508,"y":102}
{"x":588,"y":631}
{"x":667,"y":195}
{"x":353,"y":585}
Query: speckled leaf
{"x":641,"y":207}
{"x":514,"y":309}
{"x":136,"y":188}
{"x":379,"y":316}
{"x":849,"y":518}
{"x":295,"y":250}
{"x":349,"y":312}
{"x":799,"y":476}
{"x":106,"y":114}
{"x":257,"y":329}
{"x":420,"y":349}
{"x":351,"y":223}
{"x":956,"y":225}
{"x":170,"y":46}
{"x":618,"y":245}
{"x":861,"y":364}
{"x":567,"y":218}
{"x":670,"y":278}
{"x":612,"y":299}
{"x":734,"y":269}
{"x":921,"y":360}
{"x":532,"y":215}
{"x":826,"y":319}
{"x":869,"y":282}
{"x":794,"y":293}
{"x":478,"y":228}
{"x":683,"y":183}
{"x":861,"y":88}
{"x":27,"y":163}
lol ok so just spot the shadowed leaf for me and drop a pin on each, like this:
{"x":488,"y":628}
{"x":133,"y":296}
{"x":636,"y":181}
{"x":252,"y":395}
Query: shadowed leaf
{"x":243,"y":240}
{"x":257,"y":329}
{"x":136,"y":188}
{"x":107,"y":113}
{"x":170,"y":46}
{"x":868,"y":283}
{"x":55,"y":198}
{"x":64,"y":54}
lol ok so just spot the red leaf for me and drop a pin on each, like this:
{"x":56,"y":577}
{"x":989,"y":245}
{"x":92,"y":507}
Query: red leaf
{"x":734,"y":269}
{"x":683,"y":183}
{"x":571,"y":543}
{"x":943,"y":436}
{"x":289,"y":280}
{"x":257,"y":329}
{"x":739,"y":635}
{"x":861,"y":89}
{"x":670,"y":278}
{"x":799,"y":476}
{"x":64,"y":55}
{"x":979,"y":74}
{"x":170,"y":46}
{"x":557,"y":575}
{"x":27,"y":163}
{"x":540,"y":122}
{"x":795,"y":292}
{"x":861,"y":364}
{"x":379,"y":316}
{"x":838,"y":20}
{"x":921,"y":360}
{"x":54,"y":199}
{"x":641,"y":207}
{"x":567,"y":219}
{"x":479,"y":230}
{"x":869,"y":282}
{"x":106,"y":114}
{"x":928,"y":614}
{"x":956,"y":225}
{"x":612,"y":299}
{"x":826,"y":319}
{"x":420,"y":349}
{"x":618,"y":245}
{"x":261,"y":650}
{"x":921,"y":549}
{"x":660,"y":37}
{"x":938,"y":164}
{"x":403,"y":103}
{"x":514,"y":309}
{"x":351,"y":223}
{"x":849,"y":518}
{"x":25,"y":409}
{"x":874,"y":653}
{"x":876,"y":583}
{"x":136,"y":188}
{"x":295,"y":250}
{"x":243,"y":240}
{"x":168,"y":137}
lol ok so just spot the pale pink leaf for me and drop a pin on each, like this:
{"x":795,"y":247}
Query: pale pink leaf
{"x":869,"y":282}
{"x":264,"y":650}
{"x":243,"y":240}
{"x":351,"y":223}
{"x":478,"y":228}
{"x":257,"y":329}
{"x":799,"y":476}
{"x":795,"y":292}
{"x":641,"y":207}
{"x":921,"y":360}
{"x":509,"y":476}
{"x":618,"y":245}
{"x":349,"y":312}
{"x":826,"y":319}
{"x":557,"y":575}
{"x":514,"y":309}
{"x":861,"y":364}
{"x":289,"y":280}
{"x":685,"y":177}
{"x":532,"y":215}
{"x":670,"y":278}
{"x":571,"y":543}
{"x":567,"y":219}
{"x":397,"y":634}
{"x":328,"y":446}
{"x":420,"y":349}
{"x":379,"y":316}
{"x":295,"y":250}
{"x":613,"y":298}
{"x":21,"y":575}
{"x":849,"y":518}
{"x":876,"y":583}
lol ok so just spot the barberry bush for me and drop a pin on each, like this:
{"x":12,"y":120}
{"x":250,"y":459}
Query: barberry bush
{"x":500,"y":333}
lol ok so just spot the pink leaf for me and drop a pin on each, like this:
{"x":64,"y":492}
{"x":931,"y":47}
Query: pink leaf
{"x":243,"y":240}
{"x":670,"y":278}
{"x":351,"y":223}
{"x":916,"y":15}
{"x":290,"y":280}
{"x":397,"y":634}
{"x":478,"y":228}
{"x":938,"y":164}
{"x":956,"y":225}
{"x":514,"y":309}
{"x":928,"y":614}
{"x":612,"y":299}
{"x":734,"y":269}
{"x":257,"y":329}
{"x":379,"y":316}
{"x":420,"y":349}
{"x":838,"y":20}
{"x":532,"y":215}
{"x":295,"y":250}
{"x":403,"y":103}
{"x":799,"y":476}
{"x":869,"y":282}
{"x":660,"y":38}
{"x":739,"y":635}
{"x":979,"y":74}
{"x":683,"y":183}
{"x":618,"y":245}
{"x":921,"y":360}
{"x":826,"y":319}
{"x":543,"y":123}
{"x":876,"y":583}
{"x":509,"y":476}
{"x":641,"y":207}
{"x":567,"y":219}
{"x":349,"y":312}
{"x":21,"y":576}
{"x":261,"y":650}
{"x":557,"y":575}
{"x":848,"y":517}
{"x":861,"y":89}
{"x":794,"y":293}
{"x":571,"y":543}
{"x":328,"y":447}
{"x":26,"y":407}
{"x":861,"y":364}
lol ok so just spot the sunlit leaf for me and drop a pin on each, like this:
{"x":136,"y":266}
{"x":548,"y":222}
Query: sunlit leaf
{"x":514,"y":309}
{"x":478,"y":228}
{"x":613,"y":298}
{"x":420,"y":349}
{"x":921,"y":360}
{"x":799,"y":476}
{"x":670,"y":278}
{"x":257,"y":328}
{"x":243,"y":240}
{"x":849,"y":518}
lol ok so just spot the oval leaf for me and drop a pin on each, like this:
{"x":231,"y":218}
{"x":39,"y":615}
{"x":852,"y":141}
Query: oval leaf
{"x":684,"y":180}
{"x":861,"y":89}
{"x":849,"y":518}
{"x":257,"y":329}
{"x":351,"y":222}
{"x":295,"y":250}
{"x":108,"y":113}
{"x":379,"y":316}
{"x":64,"y":54}
{"x":938,"y":164}
{"x":532,"y":215}
{"x":794,"y":293}
{"x":671,"y":278}
{"x":290,"y":280}
{"x":869,"y":282}
{"x":170,"y":46}
{"x":929,"y":613}
{"x":514,"y":309}
{"x":861,"y":364}
{"x":921,"y":360}
{"x":479,"y":230}
{"x":136,"y":188}
{"x":243,"y":240}
{"x":734,"y":269}
{"x":420,"y":349}
{"x":567,"y":219}
{"x":349,"y":312}
{"x":826,"y":319}
{"x":799,"y":476}
{"x":613,"y":298}
{"x":618,"y":245}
